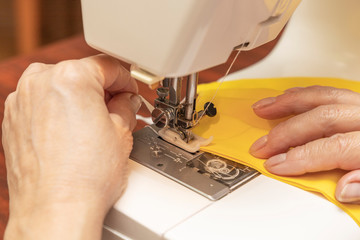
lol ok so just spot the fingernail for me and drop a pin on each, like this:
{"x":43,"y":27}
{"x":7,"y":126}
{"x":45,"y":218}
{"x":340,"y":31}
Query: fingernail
{"x":275,"y":160}
{"x":258,"y":144}
{"x":264,"y":103}
{"x":350,"y":193}
{"x":136,"y":102}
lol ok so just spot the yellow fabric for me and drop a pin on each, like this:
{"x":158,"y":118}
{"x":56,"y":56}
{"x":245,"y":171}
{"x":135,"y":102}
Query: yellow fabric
{"x":236,"y":127}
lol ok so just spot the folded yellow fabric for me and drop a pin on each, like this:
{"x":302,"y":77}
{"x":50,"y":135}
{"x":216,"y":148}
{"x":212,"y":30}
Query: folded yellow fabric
{"x":236,"y":127}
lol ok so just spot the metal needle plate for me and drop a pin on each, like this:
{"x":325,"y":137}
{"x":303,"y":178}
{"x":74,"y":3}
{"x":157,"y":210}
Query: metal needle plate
{"x":207,"y":174}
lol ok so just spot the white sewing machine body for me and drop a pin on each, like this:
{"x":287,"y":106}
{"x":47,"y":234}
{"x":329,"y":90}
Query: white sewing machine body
{"x":155,"y":207}
{"x":172,"y":38}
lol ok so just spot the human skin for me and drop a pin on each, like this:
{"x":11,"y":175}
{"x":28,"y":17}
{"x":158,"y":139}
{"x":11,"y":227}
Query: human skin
{"x":323,"y":134}
{"x":67,"y":138}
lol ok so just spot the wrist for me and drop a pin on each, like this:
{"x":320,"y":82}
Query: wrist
{"x":79,"y":220}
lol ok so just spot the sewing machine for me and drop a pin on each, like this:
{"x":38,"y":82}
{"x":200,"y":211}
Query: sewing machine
{"x":169,"y":41}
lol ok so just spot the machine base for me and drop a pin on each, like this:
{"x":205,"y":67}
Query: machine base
{"x":207,"y":174}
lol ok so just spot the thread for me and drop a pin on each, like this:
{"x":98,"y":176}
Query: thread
{"x":221,"y":82}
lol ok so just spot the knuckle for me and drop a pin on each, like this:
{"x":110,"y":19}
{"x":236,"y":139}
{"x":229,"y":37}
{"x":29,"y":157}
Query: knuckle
{"x":329,"y":92}
{"x":285,"y":130}
{"x":9,"y":100}
{"x":336,"y":94}
{"x":278,"y":129}
{"x":128,"y":136}
{"x":288,"y":96}
{"x":68,"y":69}
{"x":340,"y":143}
{"x":35,"y":67}
{"x":300,"y":156}
{"x":346,"y":146}
{"x":126,"y":139}
{"x":25,"y":89}
{"x":30,"y":80}
{"x":328,"y":112}
{"x":306,"y":152}
{"x":330,"y":117}
{"x":302,"y":152}
{"x":307,"y":156}
{"x":332,"y":93}
{"x":278,"y":136}
{"x":75,"y":75}
{"x":69,"y":74}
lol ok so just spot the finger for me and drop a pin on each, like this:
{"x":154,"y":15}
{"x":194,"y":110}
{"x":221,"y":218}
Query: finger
{"x":348,"y":188}
{"x":123,"y":108}
{"x":111,"y":74}
{"x":339,"y":151}
{"x":299,"y":100}
{"x":323,"y":121}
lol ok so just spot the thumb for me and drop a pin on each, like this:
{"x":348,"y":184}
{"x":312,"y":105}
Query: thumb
{"x":348,"y":188}
{"x":123,"y":108}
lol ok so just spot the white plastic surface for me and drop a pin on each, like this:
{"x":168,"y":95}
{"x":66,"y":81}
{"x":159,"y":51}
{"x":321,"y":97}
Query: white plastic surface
{"x":268,"y":209}
{"x":322,"y":39}
{"x":152,"y":204}
{"x":154,"y":207}
{"x":173,"y":38}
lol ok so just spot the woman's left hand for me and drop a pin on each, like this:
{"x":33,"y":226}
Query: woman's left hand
{"x":324,"y":134}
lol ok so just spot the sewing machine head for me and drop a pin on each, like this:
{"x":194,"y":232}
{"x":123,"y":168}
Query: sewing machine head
{"x":172,"y":40}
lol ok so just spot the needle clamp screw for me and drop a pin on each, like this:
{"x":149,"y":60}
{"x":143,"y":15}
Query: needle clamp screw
{"x":210,"y":109}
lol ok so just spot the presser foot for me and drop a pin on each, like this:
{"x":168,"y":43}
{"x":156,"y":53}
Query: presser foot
{"x":207,"y":174}
{"x":174,"y":138}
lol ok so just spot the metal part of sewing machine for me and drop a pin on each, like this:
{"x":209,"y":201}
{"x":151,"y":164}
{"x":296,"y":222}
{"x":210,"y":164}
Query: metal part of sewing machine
{"x":207,"y":174}
{"x":170,"y":111}
{"x":204,"y":173}
{"x":179,"y":116}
